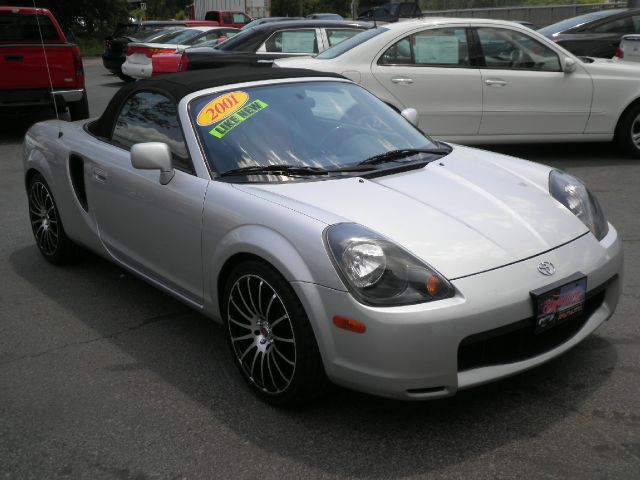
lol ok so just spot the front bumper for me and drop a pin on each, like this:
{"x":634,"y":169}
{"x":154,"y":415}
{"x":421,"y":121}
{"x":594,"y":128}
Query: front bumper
{"x":412,"y":352}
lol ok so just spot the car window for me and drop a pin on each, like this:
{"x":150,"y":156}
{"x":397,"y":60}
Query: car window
{"x":240,"y":18}
{"x":621,"y":25}
{"x":292,"y":41}
{"x":208,"y":37}
{"x":182,"y":37}
{"x":442,"y":47}
{"x":151,"y":117}
{"x":352,"y":42}
{"x":227,"y":17}
{"x":509,"y":49}
{"x":337,"y":35}
{"x":26,"y":28}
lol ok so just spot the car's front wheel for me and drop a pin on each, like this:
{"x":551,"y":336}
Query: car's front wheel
{"x":49,"y":234}
{"x":270,"y":336}
{"x":628,"y":132}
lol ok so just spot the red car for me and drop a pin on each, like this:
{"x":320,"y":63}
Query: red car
{"x":39,"y":64}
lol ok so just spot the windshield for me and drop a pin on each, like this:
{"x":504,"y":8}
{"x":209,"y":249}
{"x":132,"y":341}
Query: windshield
{"x":322,"y":124}
{"x":350,"y":43}
{"x":181,"y":36}
{"x":576,"y":21}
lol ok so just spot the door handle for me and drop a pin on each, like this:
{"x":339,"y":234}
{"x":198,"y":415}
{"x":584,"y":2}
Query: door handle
{"x":99,"y":174}
{"x":402,"y":81}
{"x":14,"y":58}
{"x":495,"y":83}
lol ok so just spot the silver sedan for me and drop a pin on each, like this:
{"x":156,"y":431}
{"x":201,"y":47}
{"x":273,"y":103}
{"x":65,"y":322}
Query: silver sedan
{"x":333,"y":239}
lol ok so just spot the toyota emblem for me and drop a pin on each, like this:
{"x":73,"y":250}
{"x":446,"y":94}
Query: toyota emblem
{"x":546,"y":268}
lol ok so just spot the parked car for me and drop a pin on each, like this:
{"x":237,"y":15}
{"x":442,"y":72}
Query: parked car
{"x":39,"y":66}
{"x":481,"y":81}
{"x":629,"y":49}
{"x":324,"y":16}
{"x":595,"y":34}
{"x":260,"y":21}
{"x":262,"y":44}
{"x":229,"y":18}
{"x":115,"y":46}
{"x":391,"y":12}
{"x":333,"y":240}
{"x":139,"y":64}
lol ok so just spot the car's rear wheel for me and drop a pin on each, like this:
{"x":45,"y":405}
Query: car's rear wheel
{"x":48,"y":231}
{"x":628,"y":132}
{"x":270,"y":336}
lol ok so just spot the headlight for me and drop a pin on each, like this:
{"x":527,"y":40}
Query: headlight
{"x":379,"y":272}
{"x":574,"y":195}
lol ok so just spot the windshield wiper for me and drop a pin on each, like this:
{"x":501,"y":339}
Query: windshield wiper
{"x":275,"y":170}
{"x":394,"y":155}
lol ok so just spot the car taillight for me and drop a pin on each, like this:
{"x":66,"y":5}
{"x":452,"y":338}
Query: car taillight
{"x":619,"y":53}
{"x":106,"y":43}
{"x":184,"y":63}
{"x":148,"y":51}
{"x":77,"y":64}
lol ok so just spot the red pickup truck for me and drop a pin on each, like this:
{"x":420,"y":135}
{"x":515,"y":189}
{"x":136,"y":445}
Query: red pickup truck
{"x":37,"y":63}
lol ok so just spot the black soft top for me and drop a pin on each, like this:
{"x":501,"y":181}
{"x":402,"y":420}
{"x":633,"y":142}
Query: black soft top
{"x":179,"y":85}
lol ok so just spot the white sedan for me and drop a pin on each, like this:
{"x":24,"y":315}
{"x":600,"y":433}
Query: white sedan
{"x":480,"y":81}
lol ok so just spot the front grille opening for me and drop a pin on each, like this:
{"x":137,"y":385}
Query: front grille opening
{"x":517,"y":341}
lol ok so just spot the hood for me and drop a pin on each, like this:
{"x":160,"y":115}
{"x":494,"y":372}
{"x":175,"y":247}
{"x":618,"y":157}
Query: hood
{"x":462,"y":215}
{"x":608,"y":66}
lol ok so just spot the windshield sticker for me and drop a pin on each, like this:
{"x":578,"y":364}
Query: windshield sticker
{"x":237,"y":118}
{"x":221,"y":107}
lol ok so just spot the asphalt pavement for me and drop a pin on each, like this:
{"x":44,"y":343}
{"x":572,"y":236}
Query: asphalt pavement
{"x":103,"y":376}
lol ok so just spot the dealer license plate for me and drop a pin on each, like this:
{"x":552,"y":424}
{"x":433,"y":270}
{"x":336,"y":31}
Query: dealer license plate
{"x":557,"y":304}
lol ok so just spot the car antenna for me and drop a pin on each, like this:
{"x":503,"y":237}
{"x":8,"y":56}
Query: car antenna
{"x":46,"y":62}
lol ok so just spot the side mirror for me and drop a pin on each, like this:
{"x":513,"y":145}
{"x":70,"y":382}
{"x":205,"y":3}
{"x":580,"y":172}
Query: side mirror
{"x":569,"y":65}
{"x":411,"y":115}
{"x":153,"y":156}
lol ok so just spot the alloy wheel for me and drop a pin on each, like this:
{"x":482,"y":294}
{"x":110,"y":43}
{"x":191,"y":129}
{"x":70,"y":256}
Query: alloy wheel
{"x":44,"y":218}
{"x":261,"y":334}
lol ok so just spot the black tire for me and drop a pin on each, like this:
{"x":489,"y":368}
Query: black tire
{"x":270,"y":336}
{"x":48,"y":232}
{"x":125,"y":78}
{"x":628,"y":132}
{"x":79,"y":110}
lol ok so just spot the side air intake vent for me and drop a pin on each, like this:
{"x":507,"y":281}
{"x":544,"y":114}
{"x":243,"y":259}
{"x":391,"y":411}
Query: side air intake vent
{"x":76,"y":171}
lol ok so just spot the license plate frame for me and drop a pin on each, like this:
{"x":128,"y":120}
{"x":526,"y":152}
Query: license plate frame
{"x":559,"y":302}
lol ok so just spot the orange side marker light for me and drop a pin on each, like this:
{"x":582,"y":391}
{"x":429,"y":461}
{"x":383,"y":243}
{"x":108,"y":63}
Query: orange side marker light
{"x":349,"y":324}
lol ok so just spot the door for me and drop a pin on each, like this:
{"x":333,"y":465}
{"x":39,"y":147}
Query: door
{"x":431,"y":71}
{"x":152,"y":228}
{"x":525,"y":90}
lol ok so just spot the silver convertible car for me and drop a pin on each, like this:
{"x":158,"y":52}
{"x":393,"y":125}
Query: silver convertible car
{"x":333,"y":239}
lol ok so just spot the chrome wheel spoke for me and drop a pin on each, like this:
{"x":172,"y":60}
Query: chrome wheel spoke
{"x":253,"y":363}
{"x":240,"y":324}
{"x":283,"y":357}
{"x":287,"y":340}
{"x":239,"y":310}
